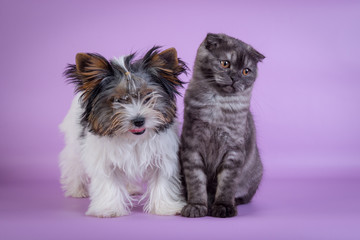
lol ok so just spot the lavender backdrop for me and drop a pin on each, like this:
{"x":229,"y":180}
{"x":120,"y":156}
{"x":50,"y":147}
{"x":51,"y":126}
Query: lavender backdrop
{"x":306,"y":99}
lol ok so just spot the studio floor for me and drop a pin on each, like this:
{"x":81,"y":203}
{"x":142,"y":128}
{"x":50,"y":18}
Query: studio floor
{"x":295,"y":205}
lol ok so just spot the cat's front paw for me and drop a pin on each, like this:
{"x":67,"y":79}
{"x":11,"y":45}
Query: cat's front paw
{"x":223,"y":210}
{"x":194,"y":210}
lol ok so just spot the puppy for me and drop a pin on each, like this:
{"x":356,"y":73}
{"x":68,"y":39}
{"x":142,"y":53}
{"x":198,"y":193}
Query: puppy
{"x":121,"y":133}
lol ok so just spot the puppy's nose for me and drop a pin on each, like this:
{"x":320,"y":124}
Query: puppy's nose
{"x":139,"y":121}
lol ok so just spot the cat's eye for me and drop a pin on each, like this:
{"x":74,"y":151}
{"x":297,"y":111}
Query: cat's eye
{"x":246,"y":71}
{"x":225,"y":63}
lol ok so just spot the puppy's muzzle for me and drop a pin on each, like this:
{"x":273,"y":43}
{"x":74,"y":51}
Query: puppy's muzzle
{"x":138,"y":123}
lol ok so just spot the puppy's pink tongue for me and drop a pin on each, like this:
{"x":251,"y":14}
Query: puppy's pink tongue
{"x":137,"y":130}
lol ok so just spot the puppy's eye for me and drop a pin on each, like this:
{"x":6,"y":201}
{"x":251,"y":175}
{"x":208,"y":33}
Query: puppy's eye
{"x":147,"y":98}
{"x":123,"y":99}
{"x":246,"y":71}
{"x":225,"y":63}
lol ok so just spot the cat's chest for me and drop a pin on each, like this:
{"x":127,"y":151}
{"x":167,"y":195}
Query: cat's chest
{"x":224,"y":111}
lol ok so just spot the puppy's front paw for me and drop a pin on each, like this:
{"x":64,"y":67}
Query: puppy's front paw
{"x":75,"y":190}
{"x":79,"y":193}
{"x":164,"y":208}
{"x":106,"y":213}
{"x":194,"y":210}
{"x":223,"y":210}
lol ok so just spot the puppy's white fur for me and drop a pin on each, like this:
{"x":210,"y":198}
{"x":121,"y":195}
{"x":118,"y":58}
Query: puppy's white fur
{"x":110,"y":169}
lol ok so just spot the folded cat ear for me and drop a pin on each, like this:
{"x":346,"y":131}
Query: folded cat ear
{"x":167,"y":67}
{"x":255,"y":54}
{"x":87,"y":73}
{"x":212,"y":41}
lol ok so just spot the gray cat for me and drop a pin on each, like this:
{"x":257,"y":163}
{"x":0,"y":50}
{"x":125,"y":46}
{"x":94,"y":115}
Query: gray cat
{"x":218,"y":153}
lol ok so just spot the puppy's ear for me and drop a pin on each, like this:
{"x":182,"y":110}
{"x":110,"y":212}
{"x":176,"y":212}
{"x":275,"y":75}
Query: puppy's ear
{"x":88,"y":72}
{"x":170,"y":65}
{"x":170,"y":60}
{"x":167,"y":67}
{"x":212,"y":41}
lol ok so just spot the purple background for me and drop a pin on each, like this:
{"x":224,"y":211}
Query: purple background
{"x":305,"y":102}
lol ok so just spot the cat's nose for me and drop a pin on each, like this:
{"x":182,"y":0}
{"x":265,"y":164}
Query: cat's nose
{"x":235,"y":79}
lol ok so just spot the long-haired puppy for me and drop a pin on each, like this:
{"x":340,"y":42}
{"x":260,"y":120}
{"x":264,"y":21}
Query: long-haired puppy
{"x":121,"y":133}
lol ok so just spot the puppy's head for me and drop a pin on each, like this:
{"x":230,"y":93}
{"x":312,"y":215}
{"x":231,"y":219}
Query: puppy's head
{"x":127,"y":95}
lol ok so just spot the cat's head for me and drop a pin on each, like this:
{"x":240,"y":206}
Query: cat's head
{"x":230,"y":65}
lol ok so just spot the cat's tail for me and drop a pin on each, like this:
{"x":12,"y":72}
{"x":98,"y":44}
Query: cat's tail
{"x":242,"y":200}
{"x":247,"y":198}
